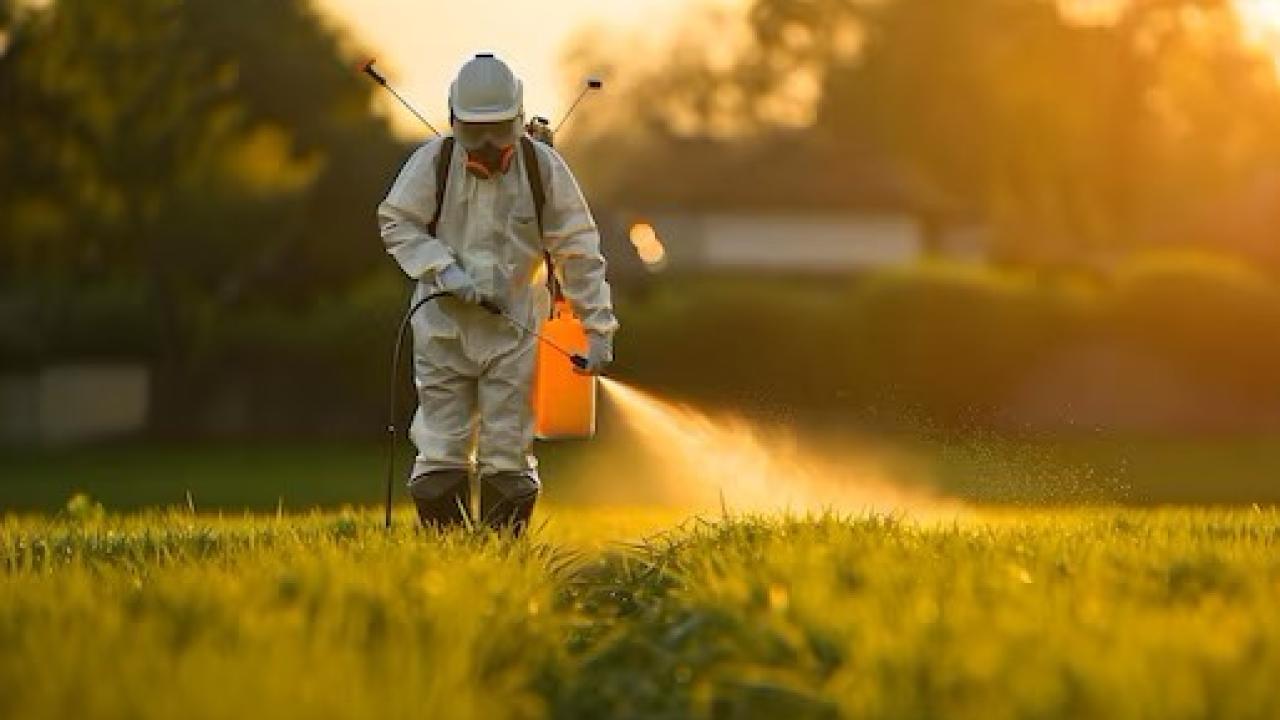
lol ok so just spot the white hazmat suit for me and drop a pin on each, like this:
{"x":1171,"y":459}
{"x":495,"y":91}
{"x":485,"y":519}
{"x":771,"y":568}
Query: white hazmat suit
{"x":474,"y":370}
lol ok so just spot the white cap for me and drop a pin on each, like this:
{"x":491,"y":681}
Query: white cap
{"x":486,"y":91}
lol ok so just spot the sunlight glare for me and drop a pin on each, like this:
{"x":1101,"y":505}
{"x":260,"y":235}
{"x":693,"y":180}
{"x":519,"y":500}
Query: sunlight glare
{"x":1261,"y":24}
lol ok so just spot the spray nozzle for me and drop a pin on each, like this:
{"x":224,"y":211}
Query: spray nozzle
{"x":368,"y":69}
{"x":579,"y":361}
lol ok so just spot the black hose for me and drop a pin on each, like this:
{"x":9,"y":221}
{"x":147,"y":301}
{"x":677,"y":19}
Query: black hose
{"x":391,"y":402}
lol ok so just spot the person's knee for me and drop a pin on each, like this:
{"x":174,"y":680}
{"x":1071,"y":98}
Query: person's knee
{"x":507,"y":499}
{"x":442,"y":497}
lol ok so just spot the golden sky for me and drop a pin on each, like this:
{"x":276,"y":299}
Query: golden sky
{"x":420,"y":44}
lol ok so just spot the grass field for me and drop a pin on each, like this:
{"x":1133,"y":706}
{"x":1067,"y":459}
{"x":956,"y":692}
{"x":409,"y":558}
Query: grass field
{"x":302,"y":476}
{"x":1085,"y":577}
{"x":1102,"y":613}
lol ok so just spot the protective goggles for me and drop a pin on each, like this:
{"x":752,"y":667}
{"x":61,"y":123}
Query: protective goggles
{"x":499,"y":134}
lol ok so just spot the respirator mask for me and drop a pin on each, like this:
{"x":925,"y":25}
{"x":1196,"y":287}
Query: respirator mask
{"x":490,"y":146}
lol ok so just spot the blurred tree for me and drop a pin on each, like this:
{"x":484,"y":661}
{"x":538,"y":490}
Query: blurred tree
{"x":291,"y":70}
{"x":193,"y":160}
{"x":1074,"y":138}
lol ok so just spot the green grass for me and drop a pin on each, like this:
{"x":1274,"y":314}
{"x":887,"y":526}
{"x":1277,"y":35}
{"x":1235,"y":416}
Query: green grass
{"x":1230,"y":470}
{"x":301,"y":476}
{"x":1102,"y":613}
{"x":216,"y":476}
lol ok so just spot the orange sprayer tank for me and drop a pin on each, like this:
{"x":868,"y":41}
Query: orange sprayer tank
{"x":564,"y":402}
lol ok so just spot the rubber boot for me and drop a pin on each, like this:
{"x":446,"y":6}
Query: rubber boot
{"x":507,"y":500}
{"x":443,"y":498}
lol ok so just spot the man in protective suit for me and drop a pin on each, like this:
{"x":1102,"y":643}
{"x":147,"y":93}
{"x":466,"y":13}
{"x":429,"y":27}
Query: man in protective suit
{"x":466,"y":223}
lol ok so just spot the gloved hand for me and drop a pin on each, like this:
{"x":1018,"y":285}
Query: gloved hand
{"x":455,"y":281}
{"x":599,"y":353}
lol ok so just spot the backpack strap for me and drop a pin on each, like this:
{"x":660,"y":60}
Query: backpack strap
{"x":444,"y":161}
{"x":533,"y":171}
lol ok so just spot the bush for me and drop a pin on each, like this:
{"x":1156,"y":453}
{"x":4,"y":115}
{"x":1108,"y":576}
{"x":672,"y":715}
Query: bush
{"x":91,"y":323}
{"x":767,"y":345}
{"x":948,"y":344}
{"x":950,"y":341}
{"x":935,"y":343}
{"x":1213,"y":318}
{"x":321,"y":369}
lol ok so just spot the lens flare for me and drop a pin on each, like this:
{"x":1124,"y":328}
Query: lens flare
{"x":650,"y":249}
{"x":708,"y":463}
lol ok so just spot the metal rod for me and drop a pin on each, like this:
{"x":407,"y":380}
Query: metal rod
{"x":577,"y":359}
{"x":592,"y":84}
{"x":413,"y":110}
{"x":369,"y":70}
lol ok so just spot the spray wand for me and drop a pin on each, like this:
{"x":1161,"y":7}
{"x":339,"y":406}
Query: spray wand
{"x":579,"y":361}
{"x":372,"y":72}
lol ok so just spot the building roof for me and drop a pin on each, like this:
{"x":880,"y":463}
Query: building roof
{"x":786,"y":171}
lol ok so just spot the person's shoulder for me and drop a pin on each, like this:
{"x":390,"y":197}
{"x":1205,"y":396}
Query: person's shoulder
{"x":428,"y":149}
{"x":548,"y":156}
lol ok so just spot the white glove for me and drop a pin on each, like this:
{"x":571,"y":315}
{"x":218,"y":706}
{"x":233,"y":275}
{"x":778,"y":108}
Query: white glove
{"x":455,"y":281}
{"x":599,"y":353}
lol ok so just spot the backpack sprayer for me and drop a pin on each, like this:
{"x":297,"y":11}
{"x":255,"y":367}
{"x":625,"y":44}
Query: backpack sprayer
{"x":565,"y":329}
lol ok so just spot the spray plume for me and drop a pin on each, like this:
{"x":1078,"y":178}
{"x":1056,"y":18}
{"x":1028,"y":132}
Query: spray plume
{"x":704,"y":463}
